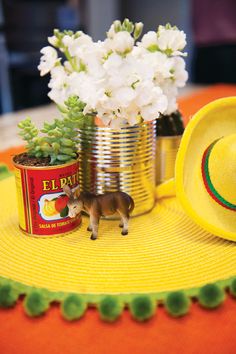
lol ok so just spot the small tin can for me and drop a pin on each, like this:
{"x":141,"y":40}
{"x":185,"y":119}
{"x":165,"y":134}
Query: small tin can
{"x":42,"y":204}
{"x":166,"y":151}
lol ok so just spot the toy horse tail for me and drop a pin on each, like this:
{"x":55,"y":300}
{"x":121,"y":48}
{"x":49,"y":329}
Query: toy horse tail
{"x":131,"y":206}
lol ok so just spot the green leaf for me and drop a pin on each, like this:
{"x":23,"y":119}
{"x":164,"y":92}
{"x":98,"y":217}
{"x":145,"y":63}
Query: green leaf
{"x":63,"y":158}
{"x":38,"y":154}
{"x":64,"y":212}
{"x":56,"y":146}
{"x":66,"y":150}
{"x":66,"y":141}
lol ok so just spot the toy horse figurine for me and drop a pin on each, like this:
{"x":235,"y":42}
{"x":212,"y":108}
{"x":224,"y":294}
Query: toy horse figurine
{"x":99,"y":205}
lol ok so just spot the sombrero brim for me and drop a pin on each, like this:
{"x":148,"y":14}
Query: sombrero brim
{"x":213,"y":121}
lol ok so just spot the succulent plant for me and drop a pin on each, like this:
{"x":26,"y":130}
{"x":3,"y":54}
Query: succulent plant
{"x":170,"y":125}
{"x":58,"y":140}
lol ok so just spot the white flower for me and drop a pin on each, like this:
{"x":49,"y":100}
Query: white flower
{"x":58,"y":77}
{"x":124,"y":95}
{"x":155,"y":104}
{"x":115,"y":27}
{"x":171,"y":40}
{"x":119,"y":81}
{"x":121,"y":43}
{"x":107,"y":104}
{"x":67,"y":66}
{"x":130,"y":114}
{"x":170,"y":86}
{"x":149,"y":40}
{"x":53,"y":40}
{"x":59,"y":96}
{"x":117,"y":122}
{"x":111,"y":32}
{"x":60,"y":90}
{"x":91,"y":55}
{"x":153,"y":110}
{"x":161,"y":65}
{"x":170,"y":90}
{"x":87,"y":88}
{"x":91,"y":93}
{"x":113,"y":62}
{"x":144,"y":92}
{"x":118,"y":71}
{"x":48,"y":60}
{"x":68,"y":41}
{"x":180,"y":75}
{"x":172,"y":105}
{"x":74,"y":43}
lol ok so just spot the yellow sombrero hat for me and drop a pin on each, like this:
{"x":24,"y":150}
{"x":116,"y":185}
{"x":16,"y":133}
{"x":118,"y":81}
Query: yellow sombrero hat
{"x":206,"y":168}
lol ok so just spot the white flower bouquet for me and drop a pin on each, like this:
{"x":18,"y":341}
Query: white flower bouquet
{"x":121,"y":80}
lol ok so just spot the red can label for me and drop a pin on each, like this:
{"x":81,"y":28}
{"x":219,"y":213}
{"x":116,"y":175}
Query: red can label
{"x":42,"y":204}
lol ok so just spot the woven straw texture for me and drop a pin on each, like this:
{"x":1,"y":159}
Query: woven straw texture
{"x":164,"y":251}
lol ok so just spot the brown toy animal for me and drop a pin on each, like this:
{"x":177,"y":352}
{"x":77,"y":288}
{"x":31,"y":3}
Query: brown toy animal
{"x":99,"y":205}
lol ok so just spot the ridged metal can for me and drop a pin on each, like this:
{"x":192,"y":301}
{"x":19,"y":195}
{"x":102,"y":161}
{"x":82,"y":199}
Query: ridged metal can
{"x":166,"y":152}
{"x":119,"y":160}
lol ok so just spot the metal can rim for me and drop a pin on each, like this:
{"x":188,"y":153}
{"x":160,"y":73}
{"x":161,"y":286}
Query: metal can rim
{"x":26,"y":167}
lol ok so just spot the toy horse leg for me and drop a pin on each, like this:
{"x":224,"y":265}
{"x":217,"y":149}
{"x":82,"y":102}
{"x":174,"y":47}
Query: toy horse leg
{"x":124,"y":223}
{"x":89,"y":228}
{"x":94,"y":221}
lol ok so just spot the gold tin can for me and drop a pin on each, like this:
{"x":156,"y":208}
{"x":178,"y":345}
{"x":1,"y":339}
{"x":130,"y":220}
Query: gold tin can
{"x":119,"y":160}
{"x":166,"y":152}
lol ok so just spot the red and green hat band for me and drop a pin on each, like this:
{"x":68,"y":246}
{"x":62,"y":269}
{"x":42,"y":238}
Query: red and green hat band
{"x":208,"y":183}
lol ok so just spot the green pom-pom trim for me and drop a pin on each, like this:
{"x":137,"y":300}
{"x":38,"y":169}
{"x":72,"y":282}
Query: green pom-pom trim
{"x":73,"y":307}
{"x":8,"y":295}
{"x":211,"y":296}
{"x":35,"y":303}
{"x":177,"y":303}
{"x":232,"y":287}
{"x":142,"y":307}
{"x":110,"y":308}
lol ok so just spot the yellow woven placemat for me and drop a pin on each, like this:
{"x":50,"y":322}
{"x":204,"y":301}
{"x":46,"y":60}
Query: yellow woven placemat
{"x":164,"y":251}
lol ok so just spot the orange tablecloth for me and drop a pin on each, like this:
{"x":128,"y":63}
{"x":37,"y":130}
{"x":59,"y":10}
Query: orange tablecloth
{"x":200,"y":332}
